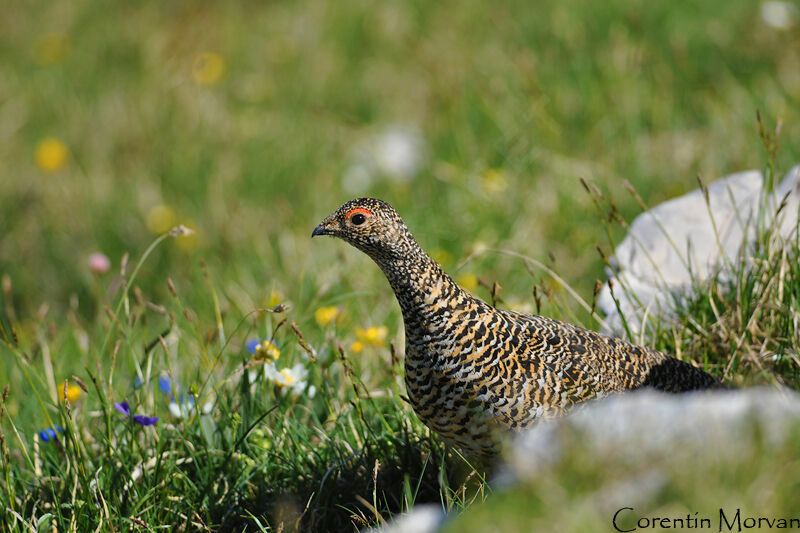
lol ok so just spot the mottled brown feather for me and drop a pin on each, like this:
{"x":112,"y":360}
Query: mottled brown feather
{"x":473,"y":370}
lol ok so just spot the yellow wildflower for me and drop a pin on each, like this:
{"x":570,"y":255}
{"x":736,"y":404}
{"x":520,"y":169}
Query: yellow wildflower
{"x":468,"y":281}
{"x":267,"y":351}
{"x":326,"y":315}
{"x":441,"y":256}
{"x":357,"y":347}
{"x":208,"y":68}
{"x":73,"y":392}
{"x":51,"y":48}
{"x":373,"y":336}
{"x":275,"y":298}
{"x":494,"y":181}
{"x":160,"y":219}
{"x":51,"y":154}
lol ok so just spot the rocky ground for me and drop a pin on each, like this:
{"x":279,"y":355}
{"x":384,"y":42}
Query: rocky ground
{"x":718,"y":458}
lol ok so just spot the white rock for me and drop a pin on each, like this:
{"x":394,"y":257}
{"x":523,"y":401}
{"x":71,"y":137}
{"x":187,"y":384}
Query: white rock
{"x":649,"y":429}
{"x":424,"y":518}
{"x":687,"y":239}
{"x":645,"y":425}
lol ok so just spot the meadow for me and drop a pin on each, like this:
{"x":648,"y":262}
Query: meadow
{"x":273,"y":362}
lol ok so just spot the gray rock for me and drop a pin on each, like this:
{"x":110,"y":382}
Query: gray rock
{"x":686,"y":240}
{"x":643,"y":427}
{"x":425,"y":518}
{"x":644,"y":440}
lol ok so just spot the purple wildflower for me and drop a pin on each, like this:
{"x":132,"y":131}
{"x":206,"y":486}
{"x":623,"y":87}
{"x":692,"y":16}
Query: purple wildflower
{"x":143,"y":420}
{"x":123,"y":408}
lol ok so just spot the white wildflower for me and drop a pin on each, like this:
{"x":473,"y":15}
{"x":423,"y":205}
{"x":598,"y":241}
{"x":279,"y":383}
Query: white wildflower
{"x":396,"y":153}
{"x":779,"y":15}
{"x":293,"y":378}
{"x":185,"y":407}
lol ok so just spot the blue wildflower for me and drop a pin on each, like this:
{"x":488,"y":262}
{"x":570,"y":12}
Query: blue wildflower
{"x":49,"y":434}
{"x":165,"y":384}
{"x":251,"y":346}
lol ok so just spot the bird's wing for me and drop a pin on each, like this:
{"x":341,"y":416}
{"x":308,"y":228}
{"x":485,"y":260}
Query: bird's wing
{"x":565,"y":364}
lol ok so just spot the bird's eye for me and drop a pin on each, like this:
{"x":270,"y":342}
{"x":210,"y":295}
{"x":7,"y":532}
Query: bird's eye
{"x":357,"y":216}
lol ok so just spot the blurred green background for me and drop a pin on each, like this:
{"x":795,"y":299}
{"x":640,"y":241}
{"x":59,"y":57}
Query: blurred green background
{"x":251,"y":121}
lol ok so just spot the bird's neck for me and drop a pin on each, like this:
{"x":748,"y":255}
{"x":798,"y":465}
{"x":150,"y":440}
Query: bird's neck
{"x":421,"y":287}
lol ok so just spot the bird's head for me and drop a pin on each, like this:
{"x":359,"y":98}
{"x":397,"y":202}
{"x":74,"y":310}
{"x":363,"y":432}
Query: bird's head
{"x":372,"y":226}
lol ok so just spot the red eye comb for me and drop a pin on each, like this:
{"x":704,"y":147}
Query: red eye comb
{"x":358,"y":210}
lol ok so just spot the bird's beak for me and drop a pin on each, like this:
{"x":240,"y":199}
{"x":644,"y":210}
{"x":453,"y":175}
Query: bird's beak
{"x":319,"y":230}
{"x":324,"y":228}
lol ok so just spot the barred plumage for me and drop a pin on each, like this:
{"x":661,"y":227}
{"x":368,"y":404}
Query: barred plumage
{"x":473,"y":370}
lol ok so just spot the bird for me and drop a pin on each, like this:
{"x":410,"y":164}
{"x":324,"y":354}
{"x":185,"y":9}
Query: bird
{"x":474,"y":372}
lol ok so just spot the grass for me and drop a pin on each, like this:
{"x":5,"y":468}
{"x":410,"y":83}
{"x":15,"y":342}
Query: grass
{"x":241,"y":120}
{"x":261,"y":451}
{"x":744,"y":319}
